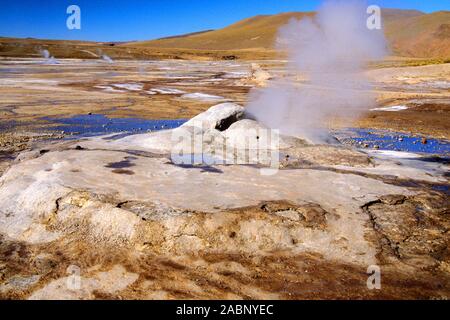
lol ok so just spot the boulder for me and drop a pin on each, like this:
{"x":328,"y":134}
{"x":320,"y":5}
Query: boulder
{"x":250,"y":134}
{"x":218,"y":117}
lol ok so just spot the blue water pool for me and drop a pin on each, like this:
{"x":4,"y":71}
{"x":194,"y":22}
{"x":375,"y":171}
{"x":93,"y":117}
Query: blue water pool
{"x":98,"y":124}
{"x":395,"y":141}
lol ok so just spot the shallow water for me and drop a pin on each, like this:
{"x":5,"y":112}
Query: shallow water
{"x":394,"y":141}
{"x":98,"y":124}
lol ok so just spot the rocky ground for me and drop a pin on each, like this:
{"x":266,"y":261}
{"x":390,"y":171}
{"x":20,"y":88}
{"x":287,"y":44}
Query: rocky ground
{"x":118,"y":217}
{"x":134,"y":223}
{"x":33,"y":90}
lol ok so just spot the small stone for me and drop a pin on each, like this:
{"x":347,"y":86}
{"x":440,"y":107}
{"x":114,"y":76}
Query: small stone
{"x":393,"y":199}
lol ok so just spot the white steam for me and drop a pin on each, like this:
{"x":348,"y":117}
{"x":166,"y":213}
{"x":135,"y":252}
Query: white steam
{"x":45,"y":54}
{"x":331,"y":51}
{"x":48,"y":58}
{"x":107,"y":58}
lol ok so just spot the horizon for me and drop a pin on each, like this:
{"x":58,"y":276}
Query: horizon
{"x":117,"y":21}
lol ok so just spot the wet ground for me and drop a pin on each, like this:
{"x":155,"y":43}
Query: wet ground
{"x":179,"y":89}
{"x":32,"y":90}
{"x":97,"y":124}
{"x":42,"y":102}
{"x":393,"y":141}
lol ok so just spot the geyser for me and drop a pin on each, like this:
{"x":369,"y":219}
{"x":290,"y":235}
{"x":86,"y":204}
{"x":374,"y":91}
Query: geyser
{"x":48,"y":58}
{"x":331,"y":51}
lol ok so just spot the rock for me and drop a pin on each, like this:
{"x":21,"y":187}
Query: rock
{"x":250,"y":134}
{"x":184,"y":139}
{"x":44,"y":262}
{"x":329,"y":202}
{"x":218,"y":117}
{"x":259,"y":76}
{"x":246,"y":134}
{"x":393,"y":199}
{"x":34,"y":199}
{"x":19,"y":283}
{"x":412,"y":228}
{"x":229,"y":57}
{"x":326,"y":155}
{"x":105,"y":283}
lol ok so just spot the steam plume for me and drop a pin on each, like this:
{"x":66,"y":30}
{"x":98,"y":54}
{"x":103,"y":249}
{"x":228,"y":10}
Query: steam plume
{"x":48,"y":58}
{"x":107,"y":58}
{"x":331,"y":50}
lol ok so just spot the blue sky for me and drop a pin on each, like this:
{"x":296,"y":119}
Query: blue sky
{"x":119,"y":20}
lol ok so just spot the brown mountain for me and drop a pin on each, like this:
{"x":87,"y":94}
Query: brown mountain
{"x":409,"y":32}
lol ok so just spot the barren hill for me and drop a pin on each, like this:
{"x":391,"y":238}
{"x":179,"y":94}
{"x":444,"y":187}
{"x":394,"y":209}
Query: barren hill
{"x":424,"y":35}
{"x":409,"y":32}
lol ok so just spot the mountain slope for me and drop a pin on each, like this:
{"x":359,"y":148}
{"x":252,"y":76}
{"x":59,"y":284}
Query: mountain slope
{"x":426,"y":35}
{"x":409,"y":32}
{"x":256,"y":32}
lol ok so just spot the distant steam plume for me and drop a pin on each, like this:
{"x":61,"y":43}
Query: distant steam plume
{"x":331,"y":51}
{"x":107,"y":58}
{"x":48,"y":58}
